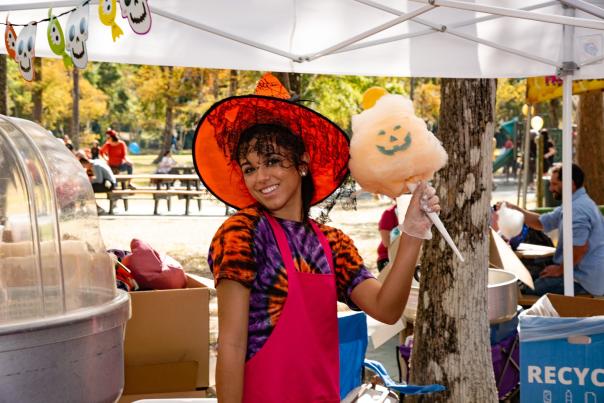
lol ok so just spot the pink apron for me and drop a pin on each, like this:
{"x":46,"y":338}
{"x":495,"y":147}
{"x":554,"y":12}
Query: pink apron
{"x":299,"y":363}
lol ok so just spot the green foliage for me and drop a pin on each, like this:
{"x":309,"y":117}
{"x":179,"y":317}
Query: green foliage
{"x":339,"y":97}
{"x":134,"y":99}
{"x":511,"y":95}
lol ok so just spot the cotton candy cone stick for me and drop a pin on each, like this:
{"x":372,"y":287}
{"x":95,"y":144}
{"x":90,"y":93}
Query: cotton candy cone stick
{"x":440,"y":227}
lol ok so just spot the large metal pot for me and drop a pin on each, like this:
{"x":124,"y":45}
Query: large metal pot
{"x":502,"y":297}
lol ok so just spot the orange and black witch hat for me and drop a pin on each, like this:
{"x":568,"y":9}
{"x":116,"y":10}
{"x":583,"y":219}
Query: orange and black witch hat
{"x":218,"y":132}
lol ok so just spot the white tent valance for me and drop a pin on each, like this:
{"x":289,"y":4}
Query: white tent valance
{"x":427,"y":38}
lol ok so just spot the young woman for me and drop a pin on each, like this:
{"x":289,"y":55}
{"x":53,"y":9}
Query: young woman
{"x":278,"y":273}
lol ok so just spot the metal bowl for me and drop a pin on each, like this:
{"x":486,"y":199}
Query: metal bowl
{"x":502,"y":296}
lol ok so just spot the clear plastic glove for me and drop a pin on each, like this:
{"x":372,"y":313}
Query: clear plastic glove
{"x":417,"y":223}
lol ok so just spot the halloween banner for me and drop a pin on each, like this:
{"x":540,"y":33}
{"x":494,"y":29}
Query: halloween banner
{"x":67,"y":39}
{"x":541,"y":89}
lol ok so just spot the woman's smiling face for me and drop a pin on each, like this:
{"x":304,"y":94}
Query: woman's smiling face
{"x":274,"y":181}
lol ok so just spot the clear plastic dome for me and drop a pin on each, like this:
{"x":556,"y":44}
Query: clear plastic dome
{"x":52,"y":257}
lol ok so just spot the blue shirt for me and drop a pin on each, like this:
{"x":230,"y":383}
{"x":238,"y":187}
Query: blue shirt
{"x":588,"y":227}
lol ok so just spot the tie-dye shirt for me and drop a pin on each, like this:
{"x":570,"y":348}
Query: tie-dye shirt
{"x":244,"y":250}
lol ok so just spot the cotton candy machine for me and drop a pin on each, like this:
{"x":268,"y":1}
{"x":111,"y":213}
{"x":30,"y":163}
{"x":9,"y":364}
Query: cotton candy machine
{"x":62,"y":320}
{"x":502,"y":297}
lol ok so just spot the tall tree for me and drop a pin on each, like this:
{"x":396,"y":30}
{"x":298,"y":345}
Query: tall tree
{"x":590,"y":143}
{"x":452,"y":345}
{"x":3,"y":86}
{"x":75,"y":108}
{"x":37,"y":91}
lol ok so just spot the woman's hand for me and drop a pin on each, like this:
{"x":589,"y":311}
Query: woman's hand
{"x":417,"y":223}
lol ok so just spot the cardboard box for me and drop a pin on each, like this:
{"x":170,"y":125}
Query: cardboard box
{"x":562,"y":358}
{"x":198,"y":394}
{"x":166,"y":348}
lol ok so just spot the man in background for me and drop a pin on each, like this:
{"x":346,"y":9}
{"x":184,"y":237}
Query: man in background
{"x":588,"y":239}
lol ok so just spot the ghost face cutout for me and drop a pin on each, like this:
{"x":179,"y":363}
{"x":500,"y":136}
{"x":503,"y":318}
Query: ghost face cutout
{"x":77,"y":35}
{"x":10,"y":39}
{"x":26,"y":42}
{"x":138,"y":14}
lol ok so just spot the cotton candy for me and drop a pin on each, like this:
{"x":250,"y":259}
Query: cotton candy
{"x":391,"y":147}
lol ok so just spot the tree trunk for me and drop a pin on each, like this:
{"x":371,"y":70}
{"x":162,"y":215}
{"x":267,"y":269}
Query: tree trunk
{"x":452,"y":344}
{"x":3,"y":85}
{"x":166,"y":143}
{"x":590,"y":143}
{"x":233,"y":81}
{"x":36,"y":95}
{"x":291,"y":81}
{"x":554,"y":112}
{"x":75,"y":109}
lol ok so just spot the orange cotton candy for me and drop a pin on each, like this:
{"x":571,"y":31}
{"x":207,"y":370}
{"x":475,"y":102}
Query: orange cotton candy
{"x":391,"y":147}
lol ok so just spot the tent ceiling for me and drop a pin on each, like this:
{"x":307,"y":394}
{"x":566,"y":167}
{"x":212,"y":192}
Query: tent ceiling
{"x":439,"y":38}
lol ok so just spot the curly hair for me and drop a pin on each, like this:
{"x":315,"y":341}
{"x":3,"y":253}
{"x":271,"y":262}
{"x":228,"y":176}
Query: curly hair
{"x":265,"y":139}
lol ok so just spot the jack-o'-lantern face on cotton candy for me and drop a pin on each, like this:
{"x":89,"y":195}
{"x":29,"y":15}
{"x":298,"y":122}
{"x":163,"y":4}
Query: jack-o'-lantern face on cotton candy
{"x":391,"y":147}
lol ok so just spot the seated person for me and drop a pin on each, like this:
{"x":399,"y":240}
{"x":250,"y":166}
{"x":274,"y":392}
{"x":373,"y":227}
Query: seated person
{"x":166,"y":164}
{"x":588,"y":239}
{"x":100,"y":175}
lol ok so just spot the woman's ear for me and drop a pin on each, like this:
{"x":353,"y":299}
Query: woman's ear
{"x":303,"y":168}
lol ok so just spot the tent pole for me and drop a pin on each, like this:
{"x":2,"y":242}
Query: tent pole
{"x":567,"y":153}
{"x":515,"y":13}
{"x":567,"y":158}
{"x":526,"y":152}
{"x":402,"y":18}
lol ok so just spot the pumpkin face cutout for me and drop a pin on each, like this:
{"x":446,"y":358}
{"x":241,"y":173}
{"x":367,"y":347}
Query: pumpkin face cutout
{"x":393,"y":143}
{"x":10,"y":39}
{"x":138,"y":14}
{"x":391,"y":147}
{"x":26,"y":43}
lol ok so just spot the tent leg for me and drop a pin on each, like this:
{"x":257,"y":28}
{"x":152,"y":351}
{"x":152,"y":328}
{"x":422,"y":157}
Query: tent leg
{"x":526,"y":152}
{"x":567,"y":159}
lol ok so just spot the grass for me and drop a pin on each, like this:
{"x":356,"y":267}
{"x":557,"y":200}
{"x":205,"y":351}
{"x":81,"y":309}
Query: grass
{"x":143,"y":163}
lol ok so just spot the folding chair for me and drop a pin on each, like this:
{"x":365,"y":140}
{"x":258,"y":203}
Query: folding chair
{"x":353,"y":345}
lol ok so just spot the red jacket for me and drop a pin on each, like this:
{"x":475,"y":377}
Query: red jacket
{"x":116,"y":154}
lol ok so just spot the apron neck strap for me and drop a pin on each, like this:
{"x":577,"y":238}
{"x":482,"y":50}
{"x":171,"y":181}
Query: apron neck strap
{"x":283,"y":246}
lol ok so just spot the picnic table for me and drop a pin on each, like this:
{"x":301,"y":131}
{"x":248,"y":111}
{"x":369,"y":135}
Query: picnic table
{"x":534,"y":252}
{"x":162,"y":187}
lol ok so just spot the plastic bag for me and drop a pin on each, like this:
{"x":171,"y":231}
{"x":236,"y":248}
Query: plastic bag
{"x":510,"y":221}
{"x":542,"y":322}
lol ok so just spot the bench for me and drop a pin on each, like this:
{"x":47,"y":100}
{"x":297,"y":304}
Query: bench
{"x":157,"y":195}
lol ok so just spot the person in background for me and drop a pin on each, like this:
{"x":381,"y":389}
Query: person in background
{"x":588,"y":239}
{"x":95,"y":150}
{"x":166,"y":164}
{"x":509,"y":166}
{"x":549,"y":150}
{"x":100,"y":176}
{"x":388,"y":222}
{"x":115,"y":152}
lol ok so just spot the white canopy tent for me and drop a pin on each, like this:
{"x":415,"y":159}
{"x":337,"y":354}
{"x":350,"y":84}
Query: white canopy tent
{"x":422,"y":38}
